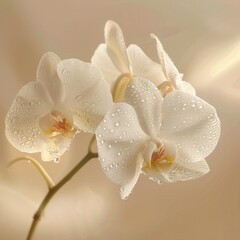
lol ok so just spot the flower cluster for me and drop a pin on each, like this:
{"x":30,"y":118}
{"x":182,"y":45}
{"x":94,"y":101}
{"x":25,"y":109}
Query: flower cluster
{"x":145,"y":117}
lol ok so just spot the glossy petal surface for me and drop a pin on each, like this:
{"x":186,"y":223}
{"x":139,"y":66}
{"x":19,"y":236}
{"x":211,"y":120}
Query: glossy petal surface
{"x":22,"y":128}
{"x":116,"y":47}
{"x":147,"y":102}
{"x":120,"y":140}
{"x":87,"y":94}
{"x":102,"y":60}
{"x":143,"y":66}
{"x":190,"y":123}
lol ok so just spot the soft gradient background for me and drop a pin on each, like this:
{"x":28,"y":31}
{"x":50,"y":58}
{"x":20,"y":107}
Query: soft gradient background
{"x":203,"y":39}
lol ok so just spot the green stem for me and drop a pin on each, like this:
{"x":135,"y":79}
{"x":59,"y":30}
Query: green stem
{"x":38,"y":166}
{"x":53,"y":191}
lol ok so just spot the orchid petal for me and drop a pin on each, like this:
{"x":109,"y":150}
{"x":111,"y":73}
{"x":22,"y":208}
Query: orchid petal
{"x":120,"y":141}
{"x":87,"y":94}
{"x":116,"y":47}
{"x":22,"y":128}
{"x":167,"y":64}
{"x":53,"y":150}
{"x":47,"y":75}
{"x":187,"y":87}
{"x":170,"y":71}
{"x":147,"y":102}
{"x":187,"y":170}
{"x":102,"y":60}
{"x":190,"y":123}
{"x":143,"y":66}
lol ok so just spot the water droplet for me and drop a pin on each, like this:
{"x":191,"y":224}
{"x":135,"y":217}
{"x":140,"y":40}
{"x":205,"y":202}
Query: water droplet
{"x":32,"y":103}
{"x":200,"y":107}
{"x":110,"y":146}
{"x":99,"y":135}
{"x":118,"y":153}
{"x":183,"y":108}
{"x":193,"y":105}
{"x":56,"y":160}
{"x":117,"y":124}
{"x":111,"y":131}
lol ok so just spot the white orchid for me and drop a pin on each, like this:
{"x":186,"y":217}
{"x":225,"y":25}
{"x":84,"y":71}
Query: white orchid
{"x":165,"y":138}
{"x":119,"y":64}
{"x":67,"y":96}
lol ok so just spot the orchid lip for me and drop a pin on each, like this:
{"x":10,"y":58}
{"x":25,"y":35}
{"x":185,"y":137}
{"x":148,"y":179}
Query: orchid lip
{"x":159,"y":155}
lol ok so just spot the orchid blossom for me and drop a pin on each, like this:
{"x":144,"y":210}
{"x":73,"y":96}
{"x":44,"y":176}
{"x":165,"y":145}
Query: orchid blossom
{"x":166,"y":138}
{"x":120,"y":64}
{"x":68,"y":96}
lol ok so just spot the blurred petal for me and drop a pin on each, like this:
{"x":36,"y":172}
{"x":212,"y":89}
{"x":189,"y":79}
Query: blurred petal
{"x":87,"y":94}
{"x":190,"y":123}
{"x":116,"y":47}
{"x":147,"y":102}
{"x":22,"y":128}
{"x":47,"y":75}
{"x":143,"y":66}
{"x":102,"y":60}
{"x":120,"y":140}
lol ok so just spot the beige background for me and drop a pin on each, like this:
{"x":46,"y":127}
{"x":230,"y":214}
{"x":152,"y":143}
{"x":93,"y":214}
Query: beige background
{"x":203,"y":39}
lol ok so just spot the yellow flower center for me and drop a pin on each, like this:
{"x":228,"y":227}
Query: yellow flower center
{"x":160,"y":158}
{"x":159,"y":155}
{"x":56,"y":123}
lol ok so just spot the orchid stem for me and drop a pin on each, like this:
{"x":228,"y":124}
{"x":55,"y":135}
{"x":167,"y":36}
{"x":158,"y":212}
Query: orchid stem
{"x":38,"y":166}
{"x":52,"y":191}
{"x":92,"y":141}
